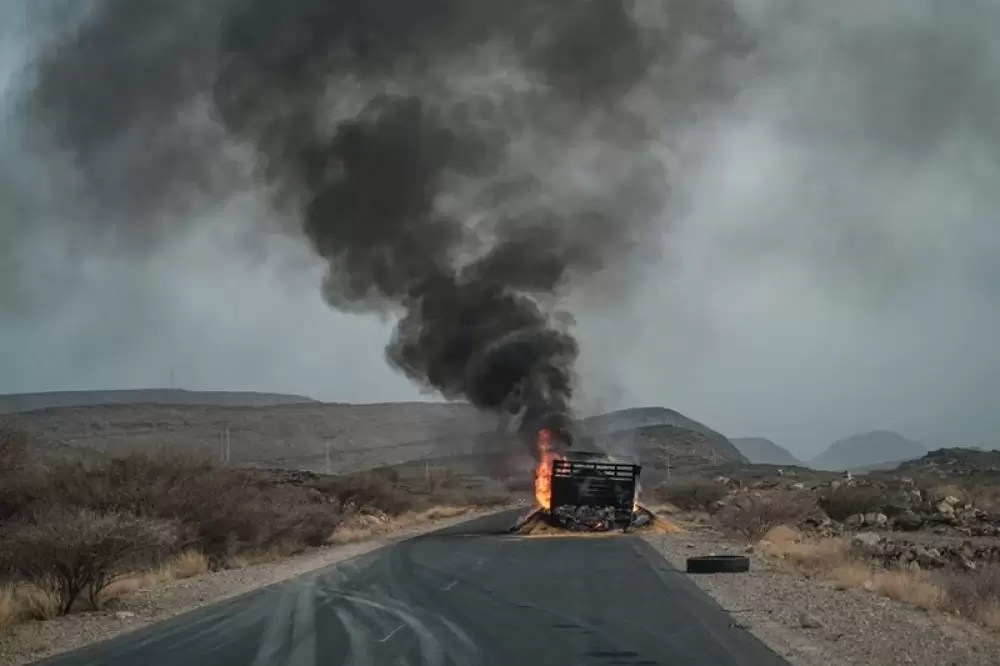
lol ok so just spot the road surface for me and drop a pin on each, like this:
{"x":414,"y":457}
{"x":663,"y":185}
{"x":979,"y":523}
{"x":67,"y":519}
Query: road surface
{"x":465,"y":596}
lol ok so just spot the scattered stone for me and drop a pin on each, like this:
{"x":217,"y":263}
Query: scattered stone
{"x":854,"y":522}
{"x":908,"y":521}
{"x":808,"y":621}
{"x":930,"y":558}
{"x":869,"y":540}
{"x":945,"y":509}
{"x":124,"y":615}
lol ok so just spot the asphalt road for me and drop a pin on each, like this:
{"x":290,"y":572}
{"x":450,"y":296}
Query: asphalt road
{"x":466,"y":596}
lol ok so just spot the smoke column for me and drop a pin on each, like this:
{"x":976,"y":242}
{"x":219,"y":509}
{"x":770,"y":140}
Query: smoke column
{"x":462,"y":164}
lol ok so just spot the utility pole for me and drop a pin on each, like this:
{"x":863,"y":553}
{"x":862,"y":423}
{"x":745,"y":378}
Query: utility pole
{"x":668,"y":465}
{"x":326,"y":464}
{"x":228,"y":448}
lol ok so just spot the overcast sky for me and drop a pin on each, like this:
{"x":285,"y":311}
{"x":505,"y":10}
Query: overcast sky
{"x":831,"y":263}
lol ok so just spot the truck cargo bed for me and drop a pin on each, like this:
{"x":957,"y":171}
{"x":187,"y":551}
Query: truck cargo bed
{"x":590,"y":480}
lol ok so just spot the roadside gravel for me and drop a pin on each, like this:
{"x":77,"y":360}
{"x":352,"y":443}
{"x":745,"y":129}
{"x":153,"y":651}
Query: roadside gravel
{"x":811,"y":623}
{"x":37,"y":640}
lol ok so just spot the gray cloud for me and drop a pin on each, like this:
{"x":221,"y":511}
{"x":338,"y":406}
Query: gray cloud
{"x":830,"y":266}
{"x":834,"y":264}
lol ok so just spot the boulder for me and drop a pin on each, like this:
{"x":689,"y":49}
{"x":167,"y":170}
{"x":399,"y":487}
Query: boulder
{"x":809,"y":621}
{"x":907,"y":521}
{"x":930,"y":558}
{"x":866,"y":540}
{"x":945,"y":508}
{"x":854,"y":522}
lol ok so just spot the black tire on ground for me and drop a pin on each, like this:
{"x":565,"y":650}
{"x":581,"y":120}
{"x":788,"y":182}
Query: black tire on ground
{"x":718,"y":564}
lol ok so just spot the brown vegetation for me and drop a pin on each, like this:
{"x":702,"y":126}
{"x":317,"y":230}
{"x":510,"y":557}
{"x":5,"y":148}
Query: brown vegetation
{"x":77,"y":551}
{"x":753,"y":516}
{"x":85,"y":528}
{"x":846,"y":501}
{"x":690,"y":494}
{"x":974,"y":595}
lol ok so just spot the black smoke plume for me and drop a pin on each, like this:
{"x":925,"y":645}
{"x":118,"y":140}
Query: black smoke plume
{"x":431,"y":148}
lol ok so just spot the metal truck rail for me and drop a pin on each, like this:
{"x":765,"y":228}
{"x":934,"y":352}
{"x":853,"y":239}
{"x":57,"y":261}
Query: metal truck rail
{"x":589,"y":480}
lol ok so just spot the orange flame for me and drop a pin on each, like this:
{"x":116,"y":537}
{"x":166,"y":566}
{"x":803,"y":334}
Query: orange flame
{"x":635,"y":501}
{"x":543,"y":470}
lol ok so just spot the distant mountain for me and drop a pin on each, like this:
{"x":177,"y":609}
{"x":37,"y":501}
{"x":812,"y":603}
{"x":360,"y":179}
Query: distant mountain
{"x":762,"y":451}
{"x":868,"y":451}
{"x":23,"y":402}
{"x":662,"y":440}
{"x":956,"y":462}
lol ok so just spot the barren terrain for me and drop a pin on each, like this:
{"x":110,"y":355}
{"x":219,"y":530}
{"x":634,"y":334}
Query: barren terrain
{"x":812,"y":622}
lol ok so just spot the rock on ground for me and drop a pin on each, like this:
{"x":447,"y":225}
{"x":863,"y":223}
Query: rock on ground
{"x":810,"y":623}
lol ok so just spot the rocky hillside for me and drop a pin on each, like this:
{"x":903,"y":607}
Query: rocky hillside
{"x":955,"y":463}
{"x":359,"y":437}
{"x":662,"y":440}
{"x":867,"y":451}
{"x":764,"y":452}
{"x":22,"y":402}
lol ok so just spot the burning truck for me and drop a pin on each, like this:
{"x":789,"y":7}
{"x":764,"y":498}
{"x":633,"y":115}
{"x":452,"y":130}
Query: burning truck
{"x":582,"y":491}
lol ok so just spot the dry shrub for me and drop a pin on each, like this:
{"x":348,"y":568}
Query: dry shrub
{"x":975,"y":594}
{"x":24,"y":602}
{"x":989,"y":615}
{"x":188,"y":564}
{"x":14,"y":444}
{"x":221,"y":512}
{"x":847,"y":501}
{"x":940,"y":492}
{"x":359,"y":527}
{"x":813,"y":557}
{"x":983,"y":495}
{"x":374,"y":489}
{"x":83,"y":551}
{"x":916,"y":588}
{"x":753,"y":516}
{"x":691,"y":494}
{"x":852,"y":575}
{"x":782,"y":534}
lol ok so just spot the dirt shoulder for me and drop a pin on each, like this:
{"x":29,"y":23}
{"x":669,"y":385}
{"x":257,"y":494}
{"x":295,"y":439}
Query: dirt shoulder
{"x":810,"y":622}
{"x":37,"y":640}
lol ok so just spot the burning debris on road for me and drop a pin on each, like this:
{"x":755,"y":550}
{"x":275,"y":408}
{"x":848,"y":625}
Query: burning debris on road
{"x":583,"y":491}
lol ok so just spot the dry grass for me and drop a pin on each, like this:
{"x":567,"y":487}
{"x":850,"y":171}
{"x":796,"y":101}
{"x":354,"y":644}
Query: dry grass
{"x":22,"y":603}
{"x":989,"y":615}
{"x":912,"y":587}
{"x":188,"y":564}
{"x":969,"y":595}
{"x":782,"y":534}
{"x":813,"y":557}
{"x":360,"y":527}
{"x":850,"y":576}
{"x":753,"y":516}
{"x":975,"y":595}
{"x":690,"y":494}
